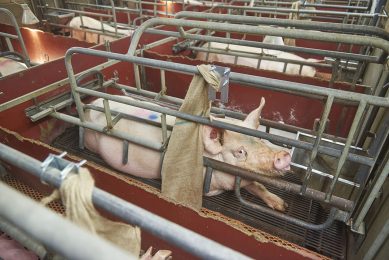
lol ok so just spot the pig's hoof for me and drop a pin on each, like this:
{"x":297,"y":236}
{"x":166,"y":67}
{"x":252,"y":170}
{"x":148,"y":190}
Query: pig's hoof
{"x":275,"y":202}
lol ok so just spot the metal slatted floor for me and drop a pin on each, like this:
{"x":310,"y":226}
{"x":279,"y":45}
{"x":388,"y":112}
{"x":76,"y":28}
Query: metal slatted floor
{"x":330,"y":242}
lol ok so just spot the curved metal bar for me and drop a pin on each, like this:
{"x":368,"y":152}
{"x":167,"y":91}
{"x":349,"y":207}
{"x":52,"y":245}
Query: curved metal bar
{"x":20,"y":57}
{"x":257,"y":81}
{"x":290,"y":33}
{"x":338,"y":202}
{"x":19,"y":35}
{"x":310,"y":25}
{"x":334,"y":213}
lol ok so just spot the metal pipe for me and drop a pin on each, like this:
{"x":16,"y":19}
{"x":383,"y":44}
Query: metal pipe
{"x":57,"y":233}
{"x":75,"y":11}
{"x":334,"y":213}
{"x":378,"y":181}
{"x":338,"y":202}
{"x":301,"y":11}
{"x":189,"y":241}
{"x":262,"y":30}
{"x":260,"y":82}
{"x":229,"y":113}
{"x":322,"y":127}
{"x":23,"y":239}
{"x":350,"y":137}
{"x":309,"y":25}
{"x":252,"y":132}
{"x":18,"y":33}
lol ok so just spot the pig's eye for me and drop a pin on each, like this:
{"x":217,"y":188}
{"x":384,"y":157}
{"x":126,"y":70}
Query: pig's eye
{"x":240,"y":154}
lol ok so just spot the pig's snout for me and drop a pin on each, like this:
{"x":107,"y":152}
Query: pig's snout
{"x":282,"y":160}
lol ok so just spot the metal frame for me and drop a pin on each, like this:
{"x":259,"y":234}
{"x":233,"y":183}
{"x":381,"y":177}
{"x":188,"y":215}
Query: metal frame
{"x":189,"y":241}
{"x":18,"y":36}
{"x":329,"y":95}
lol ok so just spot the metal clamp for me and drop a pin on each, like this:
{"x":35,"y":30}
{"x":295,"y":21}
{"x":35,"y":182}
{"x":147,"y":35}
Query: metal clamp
{"x":224,"y":75}
{"x":57,"y":161}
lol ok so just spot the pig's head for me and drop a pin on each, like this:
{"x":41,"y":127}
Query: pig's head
{"x":245,"y":151}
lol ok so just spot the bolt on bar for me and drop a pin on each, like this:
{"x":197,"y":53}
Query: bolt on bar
{"x":189,"y":241}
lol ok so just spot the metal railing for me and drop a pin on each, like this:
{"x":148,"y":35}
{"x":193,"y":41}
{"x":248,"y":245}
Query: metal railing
{"x":18,"y":36}
{"x":181,"y":237}
{"x":330,"y":96}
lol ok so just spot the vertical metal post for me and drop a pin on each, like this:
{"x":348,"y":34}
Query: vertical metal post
{"x":107,"y":112}
{"x":322,"y":127}
{"x":350,"y":137}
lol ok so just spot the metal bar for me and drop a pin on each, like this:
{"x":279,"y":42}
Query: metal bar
{"x":207,"y":179}
{"x":264,"y":30}
{"x":261,"y":56}
{"x":76,"y":11}
{"x":251,"y":132}
{"x":102,"y":129}
{"x":189,"y":241}
{"x":350,"y":137}
{"x":7,"y":35}
{"x":18,"y":33}
{"x":215,"y":123}
{"x":301,"y":11}
{"x":332,"y":216}
{"x":261,"y":82}
{"x":233,"y":114}
{"x":309,"y":25}
{"x":23,"y":239}
{"x":323,"y":122}
{"x":378,"y":242}
{"x":108,"y":116}
{"x":338,"y":202}
{"x":378,"y":181}
{"x":57,"y":233}
{"x":53,"y":86}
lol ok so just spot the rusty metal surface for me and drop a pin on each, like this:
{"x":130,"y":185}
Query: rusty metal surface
{"x":329,"y":242}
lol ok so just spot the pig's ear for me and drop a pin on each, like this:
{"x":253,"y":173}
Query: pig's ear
{"x":252,"y":120}
{"x":211,"y":139}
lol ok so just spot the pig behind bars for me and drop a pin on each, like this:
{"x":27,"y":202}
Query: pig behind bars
{"x":237,"y":149}
{"x":93,"y":24}
{"x":292,"y":69}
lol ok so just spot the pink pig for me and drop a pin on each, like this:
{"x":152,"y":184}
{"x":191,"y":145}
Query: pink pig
{"x":237,"y":149}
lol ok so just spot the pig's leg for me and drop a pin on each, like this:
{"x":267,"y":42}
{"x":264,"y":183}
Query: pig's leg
{"x":272,"y":200}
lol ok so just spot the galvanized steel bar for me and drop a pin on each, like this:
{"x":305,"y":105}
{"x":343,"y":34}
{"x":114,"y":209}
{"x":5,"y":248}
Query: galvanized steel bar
{"x":309,"y":25}
{"x":301,"y":11}
{"x":350,"y":137}
{"x":261,"y":82}
{"x":199,"y":119}
{"x":54,"y":231}
{"x":102,"y":129}
{"x":331,"y":218}
{"x":16,"y":234}
{"x":19,"y":36}
{"x":263,"y":30}
{"x":51,"y":87}
{"x":378,"y":181}
{"x":185,"y":239}
{"x":314,"y":151}
{"x":235,"y":77}
{"x":338,"y":202}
